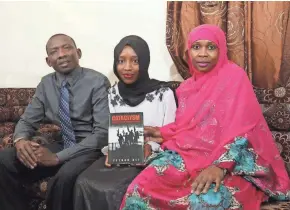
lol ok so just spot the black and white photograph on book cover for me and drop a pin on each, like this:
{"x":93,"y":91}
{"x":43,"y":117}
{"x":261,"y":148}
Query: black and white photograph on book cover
{"x":126,"y":139}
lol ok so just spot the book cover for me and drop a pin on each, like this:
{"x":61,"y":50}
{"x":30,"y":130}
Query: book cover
{"x":126,"y":139}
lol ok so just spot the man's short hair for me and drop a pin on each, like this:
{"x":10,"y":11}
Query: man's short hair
{"x":55,"y":35}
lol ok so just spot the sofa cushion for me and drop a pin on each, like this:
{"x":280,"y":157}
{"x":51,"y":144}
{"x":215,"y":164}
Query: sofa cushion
{"x":6,"y":129}
{"x":276,"y":206}
{"x":11,"y":114}
{"x":13,"y":102}
{"x":275,"y":104}
{"x":273,"y":96}
{"x":10,"y":97}
{"x":277,"y":116}
{"x":283,"y":143}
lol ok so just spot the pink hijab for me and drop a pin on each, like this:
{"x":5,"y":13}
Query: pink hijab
{"x":216,"y":107}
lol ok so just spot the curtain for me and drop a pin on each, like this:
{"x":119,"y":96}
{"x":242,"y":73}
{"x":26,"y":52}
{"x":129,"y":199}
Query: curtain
{"x":258,"y":36}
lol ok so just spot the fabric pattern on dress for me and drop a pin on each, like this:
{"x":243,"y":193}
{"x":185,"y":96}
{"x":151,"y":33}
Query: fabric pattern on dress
{"x":137,"y":198}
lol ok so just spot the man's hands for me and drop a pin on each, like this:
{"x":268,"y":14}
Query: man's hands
{"x":212,"y":174}
{"x":32,"y":154}
{"x":25,"y":153}
{"x":45,"y":157}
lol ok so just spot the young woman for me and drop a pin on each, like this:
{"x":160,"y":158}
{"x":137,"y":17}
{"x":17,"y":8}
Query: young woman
{"x":219,"y":152}
{"x":100,"y":187}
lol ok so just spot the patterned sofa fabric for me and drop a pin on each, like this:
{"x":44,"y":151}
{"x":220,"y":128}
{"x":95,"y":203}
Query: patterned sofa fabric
{"x":276,"y":206}
{"x":275,"y":104}
{"x":282,"y":140}
{"x":13,"y":102}
{"x":277,"y":116}
{"x":273,"y":96}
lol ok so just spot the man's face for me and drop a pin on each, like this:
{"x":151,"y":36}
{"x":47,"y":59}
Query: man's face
{"x":62,"y":54}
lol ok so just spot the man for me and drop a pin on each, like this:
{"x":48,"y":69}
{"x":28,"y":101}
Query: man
{"x":74,"y":98}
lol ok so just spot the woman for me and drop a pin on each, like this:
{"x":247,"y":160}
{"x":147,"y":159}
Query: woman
{"x":219,"y":152}
{"x":100,"y":187}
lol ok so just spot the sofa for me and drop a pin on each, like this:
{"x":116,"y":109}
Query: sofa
{"x":13,"y":102}
{"x":275,"y":104}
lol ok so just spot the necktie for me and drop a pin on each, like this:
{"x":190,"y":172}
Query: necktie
{"x":67,"y":131}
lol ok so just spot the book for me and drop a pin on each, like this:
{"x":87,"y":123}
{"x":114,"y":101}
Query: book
{"x":126,"y":139}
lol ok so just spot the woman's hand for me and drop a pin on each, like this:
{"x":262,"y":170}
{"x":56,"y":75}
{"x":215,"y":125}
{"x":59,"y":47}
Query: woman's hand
{"x":152,"y":131}
{"x":147,"y":151}
{"x":212,"y":174}
{"x":107,"y":162}
{"x":152,"y":134}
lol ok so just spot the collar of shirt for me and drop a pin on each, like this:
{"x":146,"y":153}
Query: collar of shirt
{"x":71,"y":77}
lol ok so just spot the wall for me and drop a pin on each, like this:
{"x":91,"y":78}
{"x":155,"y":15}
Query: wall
{"x":96,"y":27}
